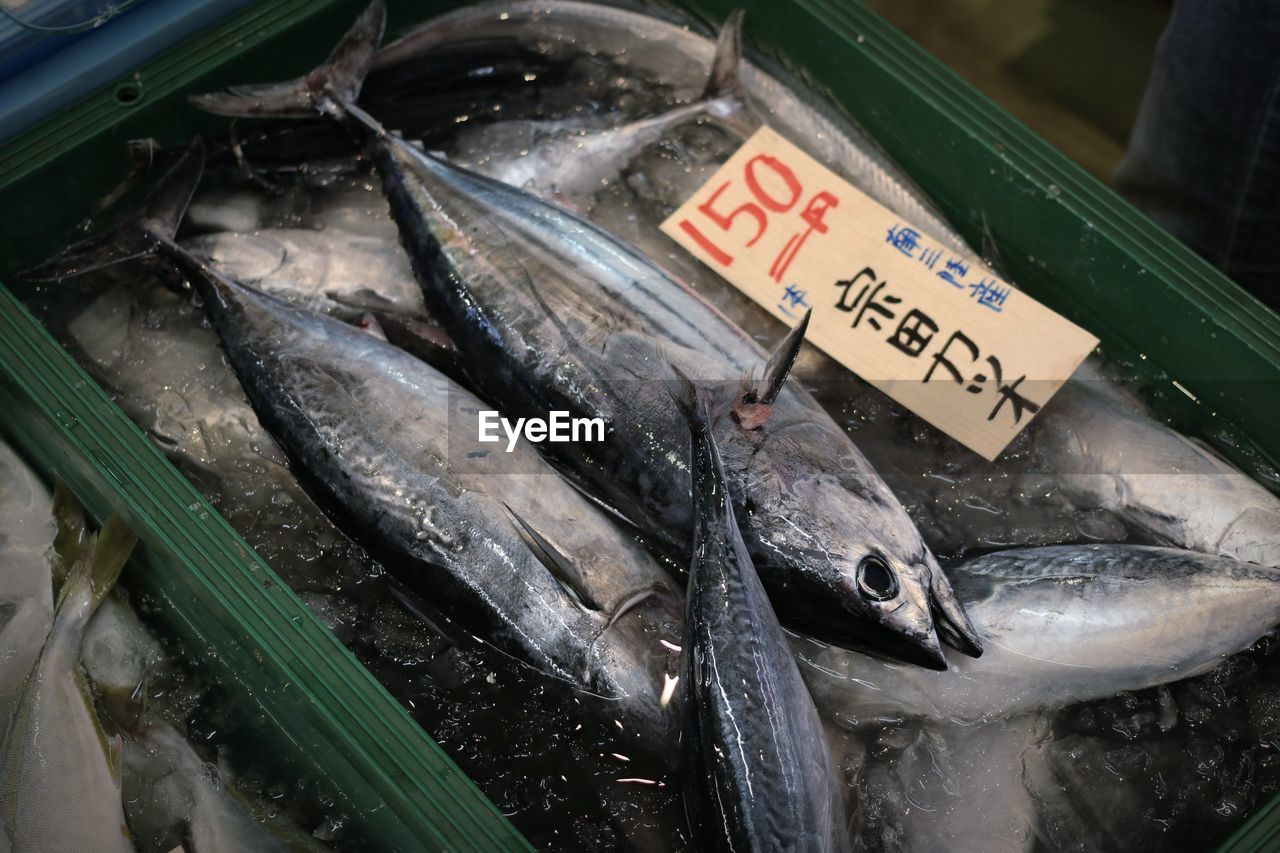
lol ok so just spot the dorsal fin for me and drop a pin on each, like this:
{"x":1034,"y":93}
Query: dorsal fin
{"x":723,"y":80}
{"x":753,"y":407}
{"x":560,"y":566}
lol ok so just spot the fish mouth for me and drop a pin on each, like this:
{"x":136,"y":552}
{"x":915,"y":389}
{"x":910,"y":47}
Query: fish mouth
{"x":950,"y":621}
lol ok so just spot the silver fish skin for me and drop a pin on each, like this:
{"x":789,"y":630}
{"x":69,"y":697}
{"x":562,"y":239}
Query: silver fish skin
{"x":757,"y":771}
{"x":332,"y":271}
{"x":1062,"y":624}
{"x":393,"y":442}
{"x":589,"y":338}
{"x":26,"y":583}
{"x":1115,"y":457}
{"x":55,"y":752}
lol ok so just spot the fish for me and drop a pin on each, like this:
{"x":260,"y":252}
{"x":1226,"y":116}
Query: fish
{"x":1093,"y":466}
{"x":834,"y":546}
{"x":757,"y":774}
{"x":1107,"y":453}
{"x":26,"y":582}
{"x":386,"y":444}
{"x":1062,"y":624}
{"x":333,"y":271}
{"x":55,"y":752}
{"x":171,"y":791}
{"x":666,"y":48}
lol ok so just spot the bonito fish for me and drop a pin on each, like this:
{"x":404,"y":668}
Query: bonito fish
{"x":1063,"y":624}
{"x":757,"y":772}
{"x":59,"y":773}
{"x":498,"y":542}
{"x":551,"y":313}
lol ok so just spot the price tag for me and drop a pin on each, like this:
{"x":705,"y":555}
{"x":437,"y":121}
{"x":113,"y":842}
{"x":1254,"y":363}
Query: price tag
{"x":933,"y":329}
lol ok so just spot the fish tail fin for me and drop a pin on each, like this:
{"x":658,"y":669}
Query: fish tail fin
{"x":329,"y":90}
{"x":68,"y":541}
{"x":724,"y":80}
{"x":752,"y":408}
{"x":100,"y":562}
{"x":138,"y":235}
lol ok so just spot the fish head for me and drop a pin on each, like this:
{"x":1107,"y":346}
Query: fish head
{"x":842,"y":559}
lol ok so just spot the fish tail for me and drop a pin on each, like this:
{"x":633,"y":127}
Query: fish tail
{"x":724,"y":80}
{"x":140,"y":234}
{"x":330,"y":90}
{"x":100,"y":562}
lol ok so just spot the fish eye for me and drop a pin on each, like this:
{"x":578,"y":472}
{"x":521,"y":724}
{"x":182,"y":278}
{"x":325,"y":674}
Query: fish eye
{"x":876,"y":580}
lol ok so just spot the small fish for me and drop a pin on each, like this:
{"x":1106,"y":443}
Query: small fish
{"x":757,"y":771}
{"x":388,"y":446}
{"x":833,"y":544}
{"x":1062,"y":624}
{"x":59,"y":772}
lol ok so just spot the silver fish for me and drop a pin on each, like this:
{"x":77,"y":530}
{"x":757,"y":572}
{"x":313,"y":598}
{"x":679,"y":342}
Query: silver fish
{"x":55,"y":752}
{"x":659,"y":45}
{"x":757,"y":772}
{"x":1062,"y":624}
{"x":388,"y":445}
{"x":1113,"y":456}
{"x":331,"y":271}
{"x":835,"y":548}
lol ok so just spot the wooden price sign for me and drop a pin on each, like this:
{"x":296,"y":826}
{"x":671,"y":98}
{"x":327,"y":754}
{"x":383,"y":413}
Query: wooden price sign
{"x":933,"y":329}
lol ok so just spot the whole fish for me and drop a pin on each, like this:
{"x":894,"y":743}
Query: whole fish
{"x":1063,"y":624}
{"x":498,"y":542}
{"x":550,"y":313}
{"x":59,"y":773}
{"x":757,"y":771}
{"x":26,"y":582}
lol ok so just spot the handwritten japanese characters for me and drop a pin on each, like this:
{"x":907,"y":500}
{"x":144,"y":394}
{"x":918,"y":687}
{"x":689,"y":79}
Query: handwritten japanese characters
{"x":934,"y":329}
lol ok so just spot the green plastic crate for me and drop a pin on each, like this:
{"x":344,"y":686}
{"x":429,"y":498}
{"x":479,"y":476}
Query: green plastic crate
{"x":1064,"y":237}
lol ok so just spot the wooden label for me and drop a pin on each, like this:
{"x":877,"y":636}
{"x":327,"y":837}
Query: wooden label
{"x":932,"y":328}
